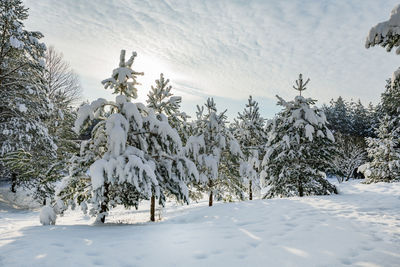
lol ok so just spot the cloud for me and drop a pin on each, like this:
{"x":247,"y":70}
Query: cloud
{"x":226,"y":49}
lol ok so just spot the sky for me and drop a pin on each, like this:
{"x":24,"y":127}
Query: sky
{"x":223,"y":49}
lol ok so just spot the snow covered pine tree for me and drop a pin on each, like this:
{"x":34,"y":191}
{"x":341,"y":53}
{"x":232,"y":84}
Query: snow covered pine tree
{"x":384,"y":152}
{"x":248,"y":128}
{"x":132,"y":153}
{"x":216,"y":153}
{"x":298,"y":149}
{"x":166,"y":108}
{"x":26,"y":148}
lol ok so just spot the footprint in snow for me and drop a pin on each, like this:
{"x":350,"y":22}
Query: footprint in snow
{"x":92,"y":254}
{"x":253,"y":244}
{"x":345,"y":261}
{"x":98,"y":263}
{"x":228,"y":236}
{"x":243,"y":223}
{"x":292,"y":225}
{"x":200,"y":255}
{"x":366,"y":248}
{"x":215,"y":252}
{"x":241,"y":256}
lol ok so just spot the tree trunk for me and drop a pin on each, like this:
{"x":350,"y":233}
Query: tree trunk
{"x":250,"y":191}
{"x":210,"y":199}
{"x":13,"y":182}
{"x":153,"y":208}
{"x":103,"y":207}
{"x":300,"y":186}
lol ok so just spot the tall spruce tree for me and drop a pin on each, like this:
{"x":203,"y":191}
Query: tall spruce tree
{"x":166,"y":108}
{"x":299,"y":150}
{"x":132,"y":153}
{"x":26,"y":147}
{"x":248,"y":128}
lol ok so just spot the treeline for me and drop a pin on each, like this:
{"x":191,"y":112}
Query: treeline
{"x":108,"y":153}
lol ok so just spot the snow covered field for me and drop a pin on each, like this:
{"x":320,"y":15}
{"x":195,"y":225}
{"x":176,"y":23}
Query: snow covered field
{"x":359,"y":227}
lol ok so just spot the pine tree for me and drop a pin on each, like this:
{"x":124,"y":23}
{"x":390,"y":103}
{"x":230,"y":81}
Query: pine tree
{"x":390,"y":99}
{"x":26,"y":148}
{"x":216,"y":153}
{"x":360,"y":123}
{"x":350,"y":122}
{"x":132,"y":153}
{"x":384,"y":152}
{"x":162,"y":101}
{"x":298,"y":150}
{"x":166,"y":108}
{"x":248,"y":128}
{"x":338,"y":116}
{"x":373,"y":115}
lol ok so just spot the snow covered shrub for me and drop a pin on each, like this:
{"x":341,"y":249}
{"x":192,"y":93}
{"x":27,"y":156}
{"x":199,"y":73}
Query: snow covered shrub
{"x":216,"y":153}
{"x":132,"y":153}
{"x":299,"y":149}
{"x":47,"y":214}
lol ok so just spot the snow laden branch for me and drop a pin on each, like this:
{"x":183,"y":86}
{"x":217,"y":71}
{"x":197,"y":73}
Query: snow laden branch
{"x":387,"y":33}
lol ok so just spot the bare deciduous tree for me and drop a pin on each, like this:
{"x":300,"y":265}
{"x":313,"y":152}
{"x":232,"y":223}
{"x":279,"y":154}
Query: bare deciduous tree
{"x":63,"y":84}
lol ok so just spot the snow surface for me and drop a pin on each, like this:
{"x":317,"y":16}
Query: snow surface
{"x":359,"y":227}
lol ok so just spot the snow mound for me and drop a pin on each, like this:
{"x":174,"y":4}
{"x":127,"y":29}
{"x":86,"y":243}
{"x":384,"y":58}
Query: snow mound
{"x":47,"y":216}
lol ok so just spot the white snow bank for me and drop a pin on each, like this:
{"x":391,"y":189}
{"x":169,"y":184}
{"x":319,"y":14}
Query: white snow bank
{"x":359,"y":227}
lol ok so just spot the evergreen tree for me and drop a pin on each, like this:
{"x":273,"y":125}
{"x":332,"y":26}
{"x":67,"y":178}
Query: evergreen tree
{"x":216,"y":153}
{"x":338,"y":116}
{"x":373,"y":115}
{"x":26,"y":148}
{"x":132,"y":153}
{"x":390,"y":99}
{"x":298,"y":151}
{"x":248,"y":128}
{"x":162,"y":101}
{"x":384,"y":153}
{"x":166,"y":108}
{"x":360,"y":123}
{"x":351,"y":123}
